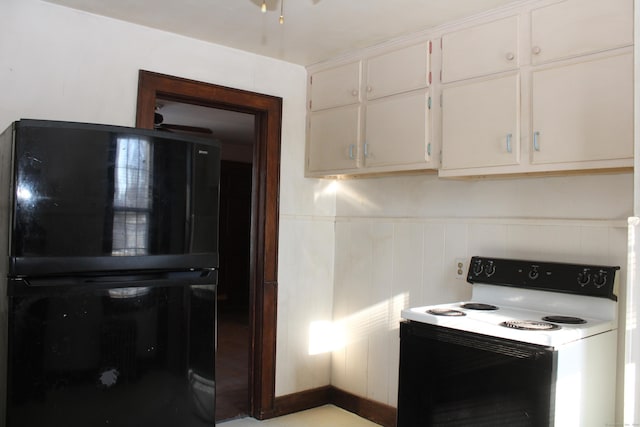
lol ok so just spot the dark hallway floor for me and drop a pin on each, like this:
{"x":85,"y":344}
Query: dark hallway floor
{"x":232,"y":365}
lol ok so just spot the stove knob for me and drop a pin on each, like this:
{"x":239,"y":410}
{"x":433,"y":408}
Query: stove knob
{"x":600,"y":279}
{"x":477,"y":268}
{"x":584,"y":278}
{"x":490,"y":269}
{"x":534,"y":273}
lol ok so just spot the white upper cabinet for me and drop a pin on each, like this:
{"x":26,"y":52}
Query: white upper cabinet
{"x":336,"y":86}
{"x":574,"y":109}
{"x":397,"y":130}
{"x":534,"y":87}
{"x":481,"y":123}
{"x":334,"y":135}
{"x":479,"y":50}
{"x":583,"y":111}
{"x":578,"y":27}
{"x":399,"y":71}
{"x":372,"y":115}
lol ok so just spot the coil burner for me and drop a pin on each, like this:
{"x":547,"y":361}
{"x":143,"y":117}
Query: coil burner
{"x":569,"y":320}
{"x":529,"y":325}
{"x":445,"y":312}
{"x":478,"y":306}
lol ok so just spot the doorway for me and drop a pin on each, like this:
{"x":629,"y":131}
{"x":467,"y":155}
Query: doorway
{"x":263,"y":236}
{"x":233,"y":338}
{"x":236,"y":133}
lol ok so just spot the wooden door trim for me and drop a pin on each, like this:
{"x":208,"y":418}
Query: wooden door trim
{"x":264,"y":216}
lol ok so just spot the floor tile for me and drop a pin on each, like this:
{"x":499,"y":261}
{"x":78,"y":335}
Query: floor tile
{"x":323,"y":416}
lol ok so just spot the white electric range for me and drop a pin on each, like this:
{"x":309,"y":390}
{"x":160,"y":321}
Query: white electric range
{"x":557,"y":320}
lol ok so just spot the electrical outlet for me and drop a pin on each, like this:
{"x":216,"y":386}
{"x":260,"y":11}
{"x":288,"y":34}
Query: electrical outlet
{"x":461,"y":268}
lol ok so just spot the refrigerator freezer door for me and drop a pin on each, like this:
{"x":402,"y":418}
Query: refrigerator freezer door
{"x":134,"y":356}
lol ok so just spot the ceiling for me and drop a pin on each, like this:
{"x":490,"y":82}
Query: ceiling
{"x":313,"y":30}
{"x":229,"y":126}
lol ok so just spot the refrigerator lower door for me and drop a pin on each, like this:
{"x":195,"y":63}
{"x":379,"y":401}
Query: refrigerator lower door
{"x":138,"y":356}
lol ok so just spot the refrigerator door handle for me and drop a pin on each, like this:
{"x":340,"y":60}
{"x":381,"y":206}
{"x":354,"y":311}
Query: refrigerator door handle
{"x":206,"y":276}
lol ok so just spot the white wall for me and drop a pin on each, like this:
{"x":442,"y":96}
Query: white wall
{"x":397,"y":240}
{"x":62,"y":64}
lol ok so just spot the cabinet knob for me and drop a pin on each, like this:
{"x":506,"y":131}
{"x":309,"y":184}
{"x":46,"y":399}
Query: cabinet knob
{"x":536,"y":50}
{"x":369,"y":89}
{"x":510,"y":56}
{"x":354,"y":92}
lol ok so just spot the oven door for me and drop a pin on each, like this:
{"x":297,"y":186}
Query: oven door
{"x":456,"y":378}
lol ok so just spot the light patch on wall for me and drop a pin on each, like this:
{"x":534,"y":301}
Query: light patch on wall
{"x":327,"y":189}
{"x":355,"y":199}
{"x":326,"y":336}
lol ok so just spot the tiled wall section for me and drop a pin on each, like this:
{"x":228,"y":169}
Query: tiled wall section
{"x":305,"y":296}
{"x":383,"y":265}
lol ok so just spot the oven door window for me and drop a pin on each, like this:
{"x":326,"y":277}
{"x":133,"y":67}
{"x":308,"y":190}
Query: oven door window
{"x":455,"y":378}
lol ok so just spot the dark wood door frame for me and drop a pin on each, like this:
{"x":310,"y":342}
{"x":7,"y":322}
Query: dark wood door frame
{"x":264,"y":217}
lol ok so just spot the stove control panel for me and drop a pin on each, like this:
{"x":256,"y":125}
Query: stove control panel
{"x":581,"y":279}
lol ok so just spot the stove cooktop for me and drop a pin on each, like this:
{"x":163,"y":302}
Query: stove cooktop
{"x":545,"y":303}
{"x":545,"y":327}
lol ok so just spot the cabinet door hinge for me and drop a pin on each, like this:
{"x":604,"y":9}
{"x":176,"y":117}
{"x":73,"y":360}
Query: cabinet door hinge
{"x":440,"y":100}
{"x":429,"y":103}
{"x":310,"y":103}
{"x":429,"y":77}
{"x":310,"y":80}
{"x":430,"y":47}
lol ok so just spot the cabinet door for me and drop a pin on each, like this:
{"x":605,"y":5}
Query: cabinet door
{"x":397,"y":130}
{"x":583,"y":111}
{"x":480,"y":50}
{"x":336,"y":86}
{"x":333,"y":140}
{"x":399,"y":71}
{"x":480,"y":123}
{"x":577,"y":27}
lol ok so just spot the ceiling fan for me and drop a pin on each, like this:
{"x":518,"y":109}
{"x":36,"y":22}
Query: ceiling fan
{"x":271,"y":5}
{"x":158,"y":124}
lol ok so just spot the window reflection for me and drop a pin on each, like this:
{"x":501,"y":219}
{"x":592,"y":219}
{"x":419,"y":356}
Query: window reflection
{"x":126,"y":293}
{"x":132,"y":197}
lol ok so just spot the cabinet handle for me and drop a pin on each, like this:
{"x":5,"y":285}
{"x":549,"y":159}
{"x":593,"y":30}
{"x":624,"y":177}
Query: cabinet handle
{"x":510,"y":56}
{"x":536,"y":142}
{"x":536,"y":50}
{"x":354,"y":92}
{"x":508,"y":143}
{"x":351,"y":146}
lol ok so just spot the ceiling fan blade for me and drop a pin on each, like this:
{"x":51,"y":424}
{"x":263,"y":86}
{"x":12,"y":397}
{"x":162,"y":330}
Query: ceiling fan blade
{"x":184,"y":128}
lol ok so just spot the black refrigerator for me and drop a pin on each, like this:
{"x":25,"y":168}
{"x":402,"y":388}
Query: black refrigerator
{"x":109,"y":257}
